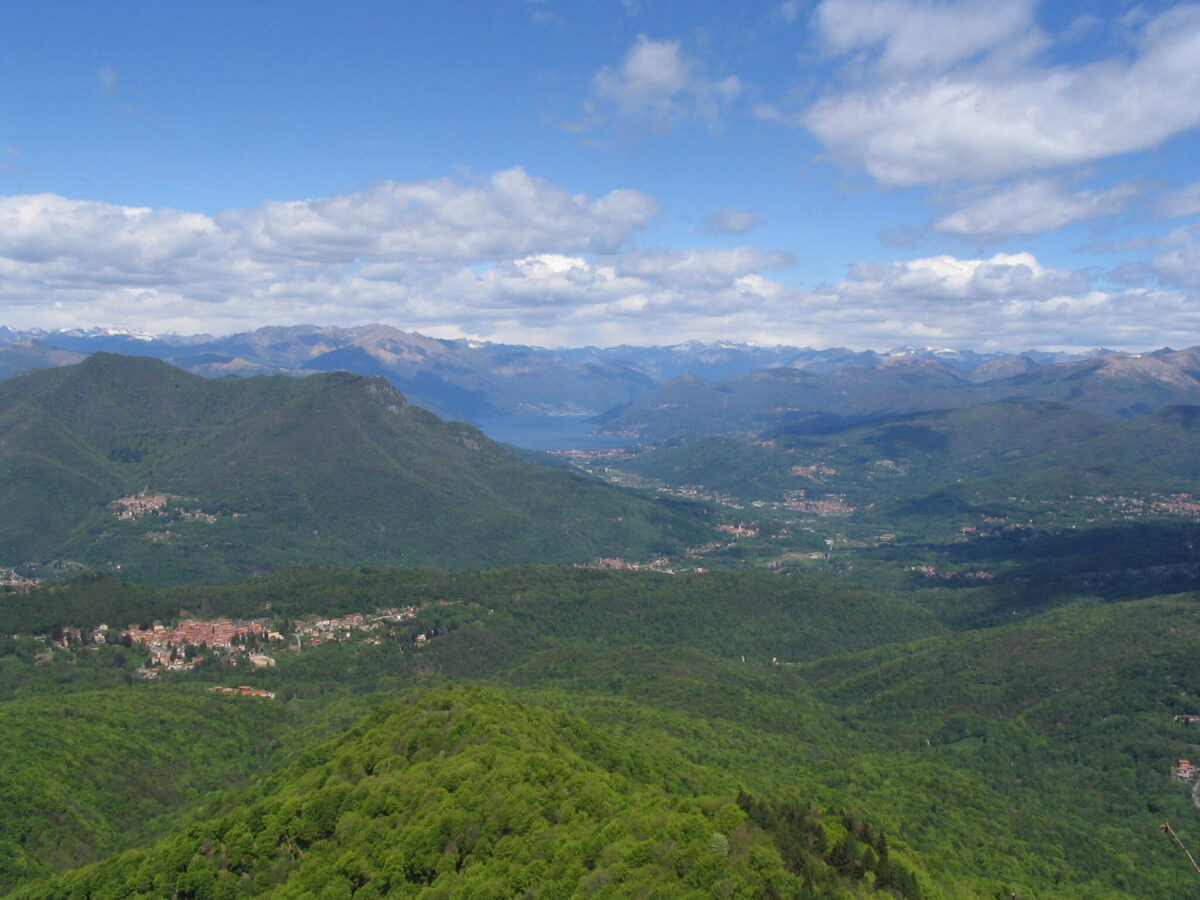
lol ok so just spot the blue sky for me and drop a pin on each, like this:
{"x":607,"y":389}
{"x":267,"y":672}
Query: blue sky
{"x":868,"y":173}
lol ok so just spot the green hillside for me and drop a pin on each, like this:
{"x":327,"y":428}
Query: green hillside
{"x":512,"y":613}
{"x":1012,"y":459}
{"x":902,"y":454}
{"x":462,"y":792}
{"x":250,"y":475}
{"x":800,"y":719}
{"x":84,"y":774}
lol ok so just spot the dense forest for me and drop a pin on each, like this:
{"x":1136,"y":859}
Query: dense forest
{"x":569,"y":732}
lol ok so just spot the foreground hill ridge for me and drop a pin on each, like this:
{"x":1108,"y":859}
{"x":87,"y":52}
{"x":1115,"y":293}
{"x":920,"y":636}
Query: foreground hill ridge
{"x":250,"y":474}
{"x":469,"y":791}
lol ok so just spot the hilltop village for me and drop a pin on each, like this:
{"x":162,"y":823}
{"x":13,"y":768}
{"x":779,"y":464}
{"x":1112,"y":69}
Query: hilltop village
{"x":196,"y":643}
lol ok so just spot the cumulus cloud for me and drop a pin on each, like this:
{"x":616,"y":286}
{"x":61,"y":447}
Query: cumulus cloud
{"x":657,"y":84}
{"x":975,"y":110}
{"x":731,"y":221}
{"x":509,"y":213}
{"x":1034,"y":206}
{"x":56,"y":240}
{"x":670,"y":280}
{"x":515,"y":258}
{"x":65,"y":261}
{"x":694,"y":267}
{"x":945,"y":278}
{"x":1008,"y":302}
{"x":508,"y":255}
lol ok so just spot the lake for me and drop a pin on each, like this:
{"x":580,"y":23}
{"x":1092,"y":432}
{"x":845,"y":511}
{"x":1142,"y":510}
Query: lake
{"x":548,"y":432}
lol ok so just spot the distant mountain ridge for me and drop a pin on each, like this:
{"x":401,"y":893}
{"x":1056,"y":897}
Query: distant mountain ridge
{"x":473,"y":380}
{"x":1114,"y":385}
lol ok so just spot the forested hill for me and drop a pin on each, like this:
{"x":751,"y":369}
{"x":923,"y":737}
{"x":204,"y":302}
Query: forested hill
{"x":472,"y":793}
{"x":570,"y":732}
{"x":130,"y":464}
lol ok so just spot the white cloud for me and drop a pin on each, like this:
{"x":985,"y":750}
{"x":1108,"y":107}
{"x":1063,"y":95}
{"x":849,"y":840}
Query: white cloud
{"x":1034,"y":206}
{"x":693,"y":279}
{"x":687,"y":268}
{"x":1008,"y":302}
{"x":487,"y":259}
{"x":731,"y":221}
{"x":954,"y":119}
{"x":659,"y":85}
{"x":65,"y":261}
{"x":509,"y":213}
{"x":510,"y":255}
{"x":556,"y":299}
{"x":53,"y":239}
{"x":949,"y":279}
{"x":1179,"y":263}
{"x":1182,"y":203}
{"x":920,"y":35}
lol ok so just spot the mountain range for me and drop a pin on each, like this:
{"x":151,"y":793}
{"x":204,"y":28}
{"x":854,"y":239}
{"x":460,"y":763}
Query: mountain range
{"x":478,"y":380}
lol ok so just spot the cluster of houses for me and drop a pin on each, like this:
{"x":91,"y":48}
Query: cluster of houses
{"x":1175,"y":505}
{"x":584,"y":458}
{"x":136,"y":506}
{"x":738,"y":530}
{"x":814,"y":471}
{"x":799,"y":501}
{"x":174,"y":649}
{"x":951,"y":574}
{"x":181,"y":647}
{"x":244,"y":691}
{"x":343,"y":627}
{"x":10,"y":578}
{"x":219,"y":634}
{"x":658,"y":564}
{"x":1184,"y":770}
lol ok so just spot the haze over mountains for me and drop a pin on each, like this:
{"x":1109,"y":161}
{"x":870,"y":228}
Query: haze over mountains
{"x":651,"y":393}
{"x":1113,"y":385}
